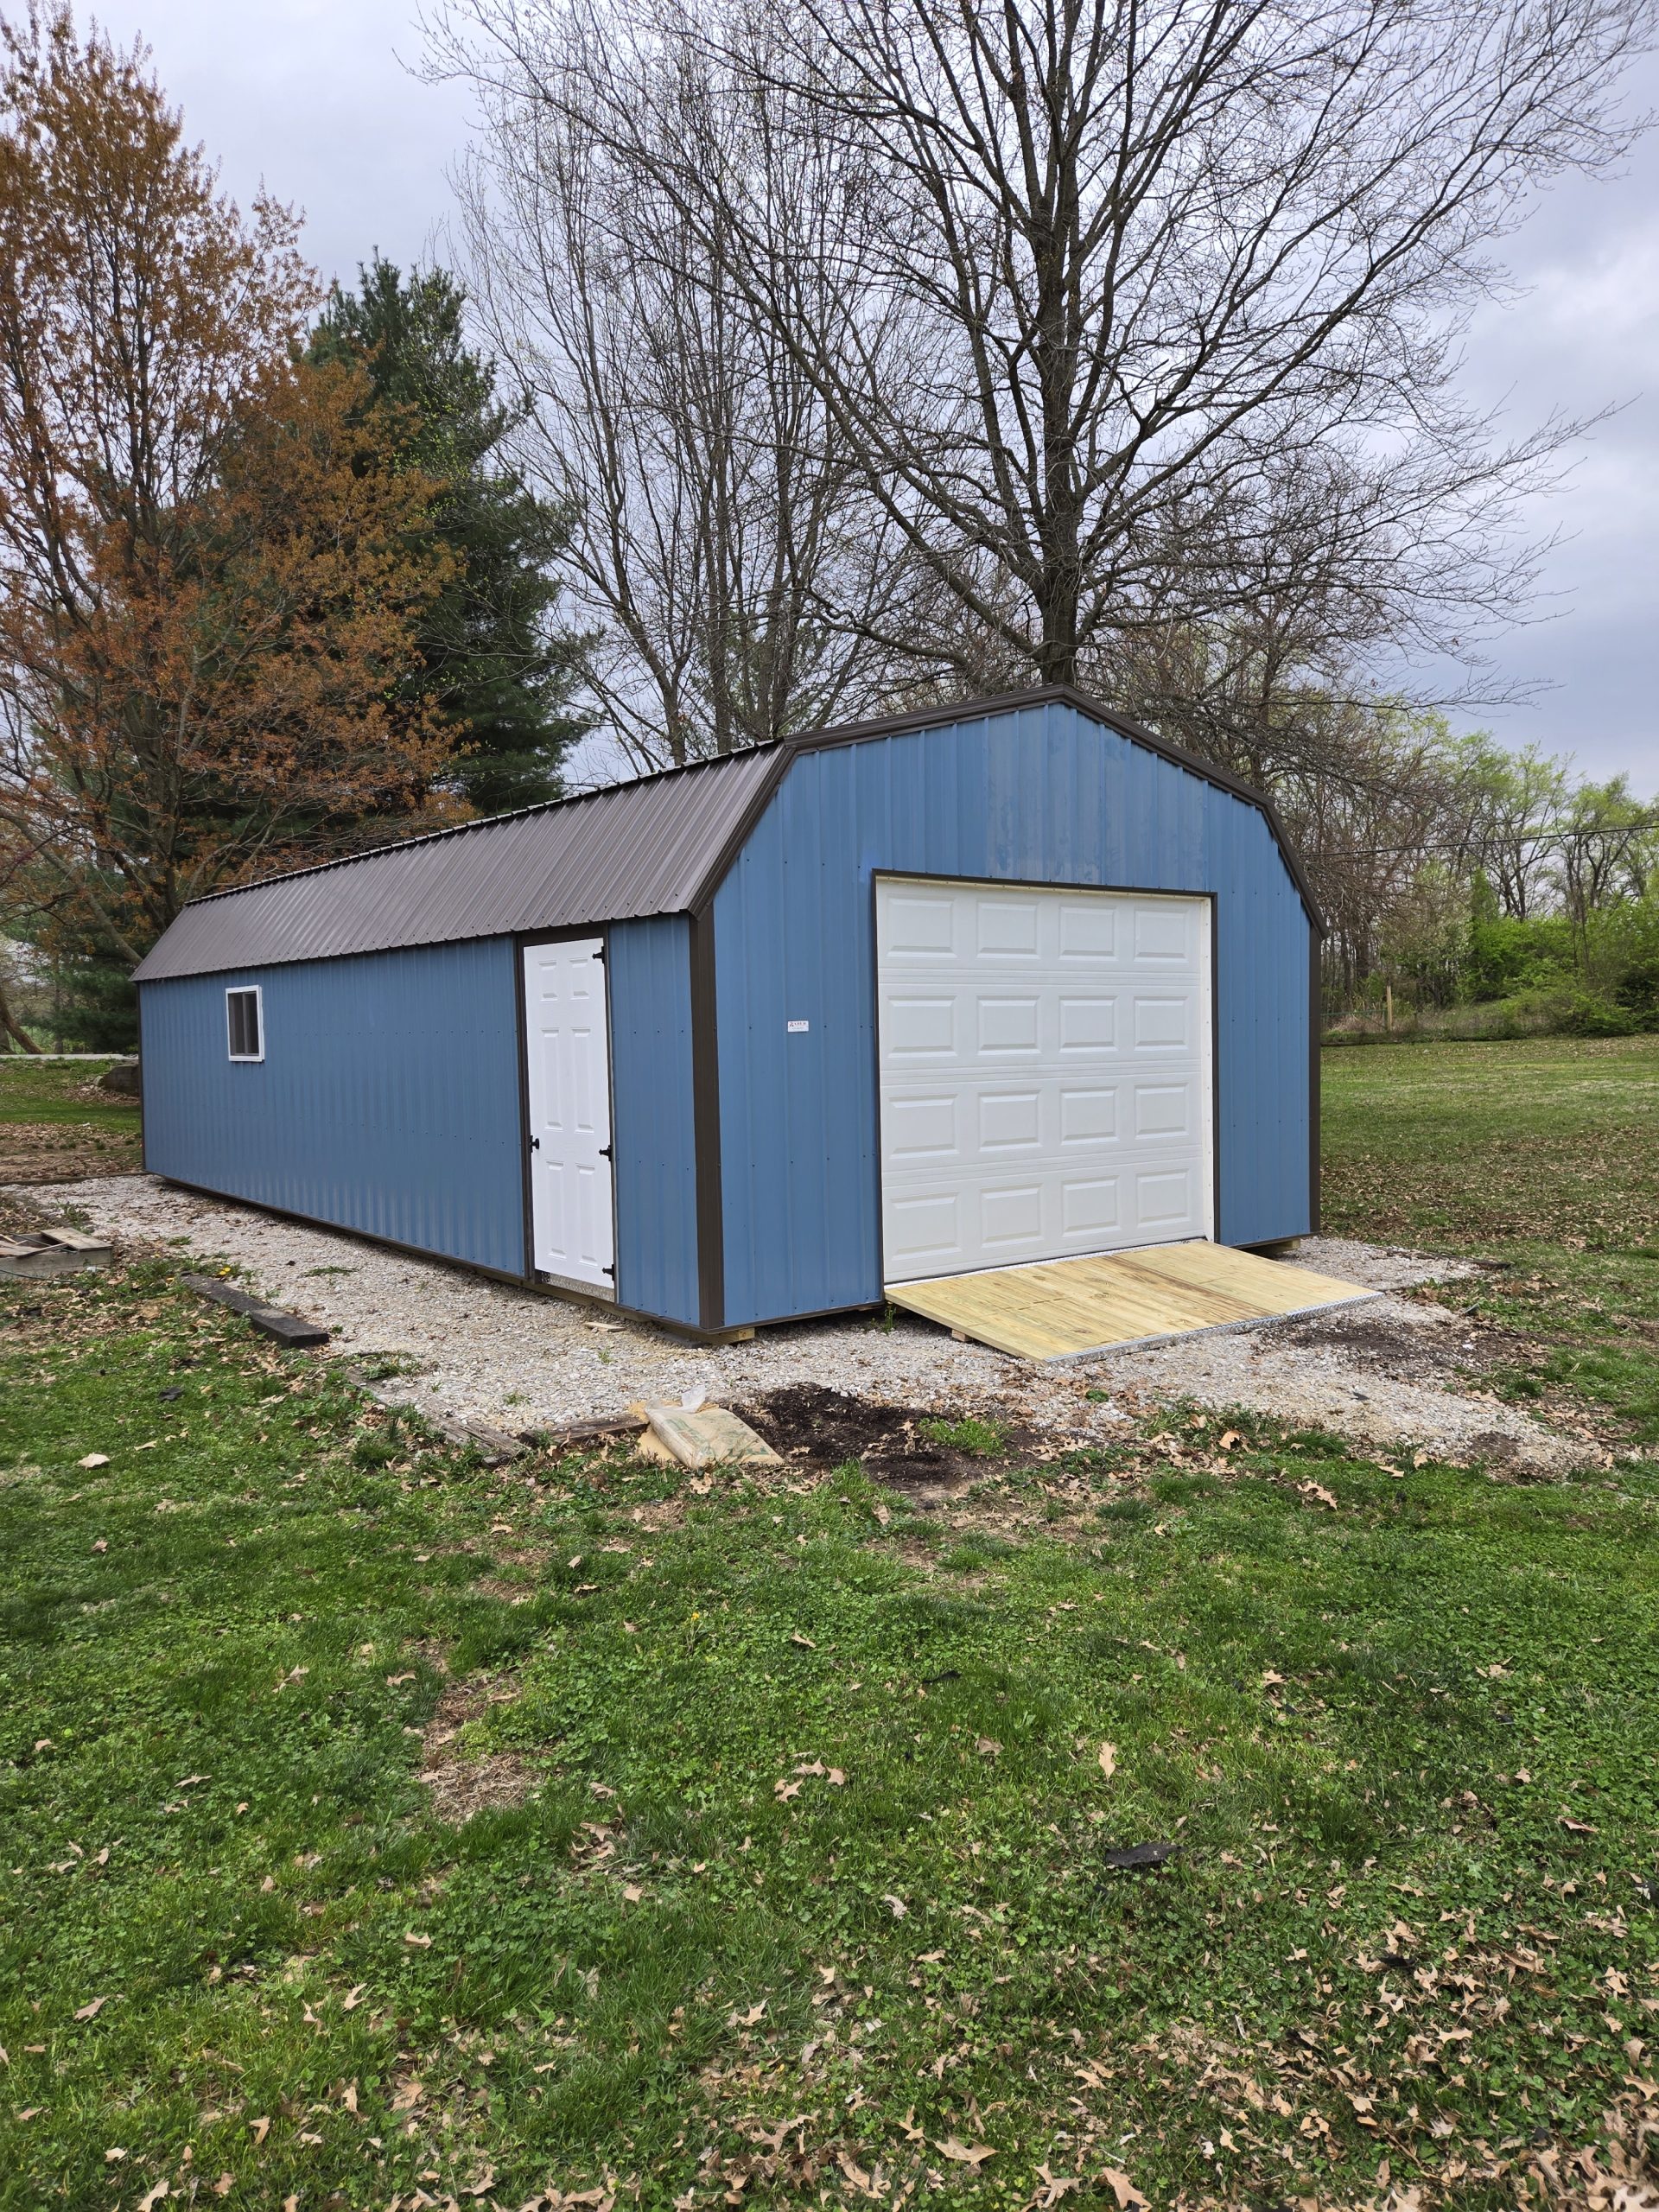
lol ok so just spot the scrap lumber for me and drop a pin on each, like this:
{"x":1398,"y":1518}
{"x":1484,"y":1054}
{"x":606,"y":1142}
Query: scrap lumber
{"x":53,"y":1252}
{"x":289,"y":1329}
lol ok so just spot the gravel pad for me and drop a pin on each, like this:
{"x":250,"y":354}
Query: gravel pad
{"x":1392,"y":1372}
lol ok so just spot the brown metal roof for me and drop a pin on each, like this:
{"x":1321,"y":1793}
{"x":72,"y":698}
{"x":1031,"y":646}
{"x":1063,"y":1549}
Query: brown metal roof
{"x":636,"y":849}
{"x":661,"y":845}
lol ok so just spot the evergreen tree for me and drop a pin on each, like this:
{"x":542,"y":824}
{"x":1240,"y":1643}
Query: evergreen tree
{"x":496,"y":666}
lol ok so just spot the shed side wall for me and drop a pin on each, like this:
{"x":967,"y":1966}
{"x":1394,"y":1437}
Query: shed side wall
{"x":1047,"y":795}
{"x":655,"y":1159}
{"x":387,"y":1101}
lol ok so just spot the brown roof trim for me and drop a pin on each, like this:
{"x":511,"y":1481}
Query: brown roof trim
{"x":789,"y":749}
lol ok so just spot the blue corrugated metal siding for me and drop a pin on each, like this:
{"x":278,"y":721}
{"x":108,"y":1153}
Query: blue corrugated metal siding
{"x":650,"y":977}
{"x":387,"y":1100}
{"x":1046,"y":795}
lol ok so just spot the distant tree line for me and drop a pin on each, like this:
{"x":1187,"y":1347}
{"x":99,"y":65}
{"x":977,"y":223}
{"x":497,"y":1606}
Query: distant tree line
{"x":811,"y":359}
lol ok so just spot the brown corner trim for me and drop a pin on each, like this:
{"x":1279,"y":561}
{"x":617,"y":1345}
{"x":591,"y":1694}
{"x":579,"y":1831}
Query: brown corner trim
{"x":705,"y":1122}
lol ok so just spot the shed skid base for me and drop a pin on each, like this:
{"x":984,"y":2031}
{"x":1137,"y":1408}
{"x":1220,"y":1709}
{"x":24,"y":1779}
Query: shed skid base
{"x":1072,"y":1309}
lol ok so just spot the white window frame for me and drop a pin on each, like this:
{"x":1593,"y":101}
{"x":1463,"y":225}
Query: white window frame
{"x":244,"y":990}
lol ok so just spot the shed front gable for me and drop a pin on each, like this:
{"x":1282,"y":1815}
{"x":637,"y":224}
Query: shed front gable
{"x":1046,"y":793}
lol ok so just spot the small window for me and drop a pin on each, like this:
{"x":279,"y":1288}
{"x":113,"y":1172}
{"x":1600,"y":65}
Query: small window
{"x":242,"y":1017}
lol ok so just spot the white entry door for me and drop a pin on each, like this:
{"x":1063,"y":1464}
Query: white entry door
{"x":1044,"y":1073}
{"x":569,"y":1064}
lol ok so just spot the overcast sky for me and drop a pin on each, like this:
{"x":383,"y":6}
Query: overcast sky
{"x":318,"y":99}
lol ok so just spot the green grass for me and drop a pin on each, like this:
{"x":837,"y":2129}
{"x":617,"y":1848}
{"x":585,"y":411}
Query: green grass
{"x":1541,"y":1156}
{"x":787,"y":1875}
{"x":219,"y":1653}
{"x":41,"y":1090}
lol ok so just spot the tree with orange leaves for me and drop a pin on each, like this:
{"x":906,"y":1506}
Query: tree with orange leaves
{"x":212,"y":563}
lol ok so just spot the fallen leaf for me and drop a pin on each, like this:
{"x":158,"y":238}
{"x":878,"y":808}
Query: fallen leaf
{"x":896,"y":1906}
{"x":1129,"y":2197}
{"x":1108,"y":1760}
{"x":98,"y":1459}
{"x":632,"y":1893}
{"x":815,"y":1767}
{"x":397,"y":1681}
{"x":1318,"y":1492}
{"x":261,"y":2129}
{"x":1230,"y":1439}
{"x":156,"y":2195}
{"x":419,"y":1942}
{"x":91,"y":2010}
{"x":805,"y":1642}
{"x":113,"y":2155}
{"x":751,"y":2018}
{"x":348,"y":2096}
{"x":964,"y":2154}
{"x":835,"y":1778}
{"x":986,"y":1746}
{"x":785,"y":1790}
{"x":101,"y":1544}
{"x":1573,"y":1827}
{"x":352,"y":1998}
{"x":225,"y":2185}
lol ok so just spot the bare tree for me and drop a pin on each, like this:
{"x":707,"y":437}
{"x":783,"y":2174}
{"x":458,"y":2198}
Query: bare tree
{"x":737,"y":577}
{"x":1114,"y":287}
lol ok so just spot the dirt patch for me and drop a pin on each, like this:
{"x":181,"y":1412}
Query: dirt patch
{"x":1440,"y":1348}
{"x":461,"y":1784}
{"x":65,"y":1152}
{"x":825,"y":1429}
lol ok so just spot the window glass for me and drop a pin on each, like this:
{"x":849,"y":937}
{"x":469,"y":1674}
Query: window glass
{"x":242,"y":1013}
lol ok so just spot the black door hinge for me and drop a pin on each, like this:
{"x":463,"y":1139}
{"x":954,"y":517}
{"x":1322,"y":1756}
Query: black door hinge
{"x":535,"y":1144}
{"x":604,"y":1152}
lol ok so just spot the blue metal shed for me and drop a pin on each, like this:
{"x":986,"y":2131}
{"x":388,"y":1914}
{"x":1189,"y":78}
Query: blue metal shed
{"x":752,"y":1041}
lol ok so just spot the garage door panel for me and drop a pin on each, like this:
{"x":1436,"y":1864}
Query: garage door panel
{"x":1021,"y":1122}
{"x":1163,"y":1109}
{"x":1087,"y":929}
{"x":1006,"y":929}
{"x":1089,"y":1116}
{"x":1163,"y":931}
{"x":1165,"y":1201}
{"x":1163,"y":1023}
{"x":922,"y":1028}
{"x":1010,"y":1121}
{"x":923,"y":1127}
{"x":1005,"y":1025}
{"x":1087,"y":1024}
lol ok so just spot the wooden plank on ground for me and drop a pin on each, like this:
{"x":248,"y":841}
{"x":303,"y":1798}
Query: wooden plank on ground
{"x":1061,"y":1309}
{"x":291,"y":1329}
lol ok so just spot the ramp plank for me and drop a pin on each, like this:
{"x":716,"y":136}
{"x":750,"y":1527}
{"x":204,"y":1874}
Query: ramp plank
{"x":1062,"y":1309}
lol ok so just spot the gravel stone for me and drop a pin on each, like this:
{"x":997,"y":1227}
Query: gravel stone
{"x":1385,"y":1373}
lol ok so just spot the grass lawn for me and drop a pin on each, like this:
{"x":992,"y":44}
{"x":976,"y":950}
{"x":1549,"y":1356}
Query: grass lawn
{"x":765,"y":1850}
{"x":54,"y":1124}
{"x":1541,"y":1156}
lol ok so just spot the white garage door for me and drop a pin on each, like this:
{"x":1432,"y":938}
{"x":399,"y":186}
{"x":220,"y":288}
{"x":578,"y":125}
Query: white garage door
{"x":1044,"y":1070}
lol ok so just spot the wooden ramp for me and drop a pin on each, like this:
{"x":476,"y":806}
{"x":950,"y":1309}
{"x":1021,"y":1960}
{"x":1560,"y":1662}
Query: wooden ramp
{"x":1066,"y":1309}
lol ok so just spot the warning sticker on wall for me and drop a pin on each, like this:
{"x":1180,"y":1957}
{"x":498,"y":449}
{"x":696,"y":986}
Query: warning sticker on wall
{"x":799,"y":1028}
